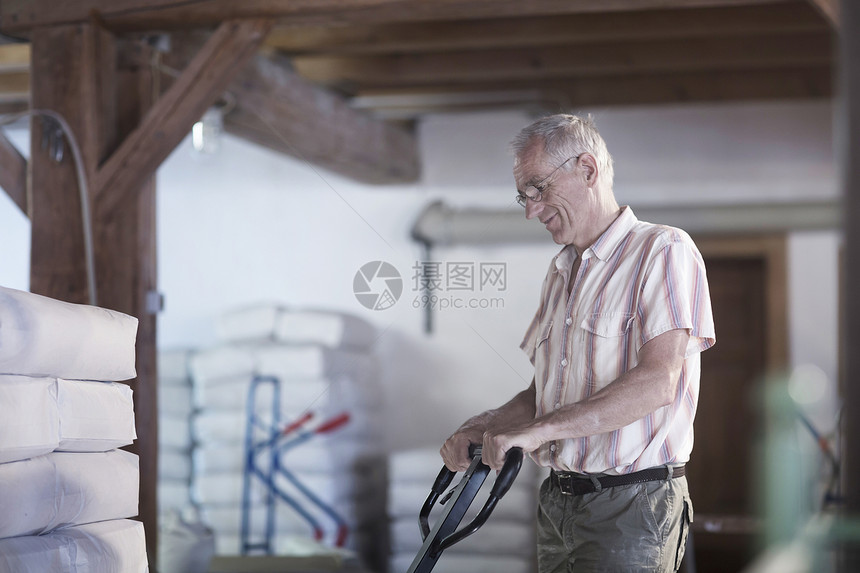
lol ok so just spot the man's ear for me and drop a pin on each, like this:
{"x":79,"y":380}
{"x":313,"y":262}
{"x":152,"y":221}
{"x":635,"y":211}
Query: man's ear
{"x":589,"y":166}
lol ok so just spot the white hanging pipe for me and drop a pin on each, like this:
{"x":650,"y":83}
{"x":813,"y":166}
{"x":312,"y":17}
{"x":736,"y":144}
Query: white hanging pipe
{"x":443,"y":225}
{"x":83,"y":190}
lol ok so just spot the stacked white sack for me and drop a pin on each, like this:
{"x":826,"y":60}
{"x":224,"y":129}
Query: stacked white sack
{"x":325,"y":366}
{"x":505,"y":543}
{"x":102,"y":547}
{"x":65,"y":488}
{"x":175,"y":406}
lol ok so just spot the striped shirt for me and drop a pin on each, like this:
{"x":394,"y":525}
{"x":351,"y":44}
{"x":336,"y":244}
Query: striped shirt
{"x":637,"y":281}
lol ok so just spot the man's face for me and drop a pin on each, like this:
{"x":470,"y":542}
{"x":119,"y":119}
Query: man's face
{"x":565,"y":202}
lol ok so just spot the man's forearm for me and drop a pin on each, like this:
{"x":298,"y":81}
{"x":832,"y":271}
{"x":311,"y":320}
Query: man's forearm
{"x":643,"y":389}
{"x":518,"y":410}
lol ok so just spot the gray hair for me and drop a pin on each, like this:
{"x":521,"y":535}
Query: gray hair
{"x":566,"y":136}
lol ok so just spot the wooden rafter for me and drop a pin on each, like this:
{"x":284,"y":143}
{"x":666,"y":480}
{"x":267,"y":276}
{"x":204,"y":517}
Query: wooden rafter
{"x":274,"y":107}
{"x":171,"y":118}
{"x":786,"y":84}
{"x":13,"y":173}
{"x":556,"y":30}
{"x":280,"y":110}
{"x":18,"y":16}
{"x":14,"y":86}
{"x":590,"y":60}
{"x":14,"y":58}
{"x":830,"y":10}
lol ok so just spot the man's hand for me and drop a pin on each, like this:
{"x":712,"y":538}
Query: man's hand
{"x":455,"y":450}
{"x":519,"y":410}
{"x":497,"y":444}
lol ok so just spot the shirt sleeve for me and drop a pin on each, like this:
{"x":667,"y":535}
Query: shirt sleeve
{"x":675,"y":295}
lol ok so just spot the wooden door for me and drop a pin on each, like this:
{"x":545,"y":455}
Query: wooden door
{"x":747,"y":283}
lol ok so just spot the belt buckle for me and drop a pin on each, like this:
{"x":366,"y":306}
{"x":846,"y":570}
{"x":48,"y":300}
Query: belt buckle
{"x":565,"y":484}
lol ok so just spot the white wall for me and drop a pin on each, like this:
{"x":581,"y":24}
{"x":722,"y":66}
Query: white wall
{"x":247,"y":225}
{"x":15,"y":226}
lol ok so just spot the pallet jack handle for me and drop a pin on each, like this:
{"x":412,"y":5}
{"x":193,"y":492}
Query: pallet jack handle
{"x":509,"y":471}
{"x":443,"y":480}
{"x":513,"y":463}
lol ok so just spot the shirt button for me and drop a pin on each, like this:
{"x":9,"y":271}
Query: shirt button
{"x":568,"y":321}
{"x":552,"y":447}
{"x":557,"y":405}
{"x":564,"y":361}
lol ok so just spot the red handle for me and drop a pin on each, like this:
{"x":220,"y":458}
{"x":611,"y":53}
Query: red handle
{"x":297,"y":424}
{"x":342,"y":534}
{"x":333,"y":423}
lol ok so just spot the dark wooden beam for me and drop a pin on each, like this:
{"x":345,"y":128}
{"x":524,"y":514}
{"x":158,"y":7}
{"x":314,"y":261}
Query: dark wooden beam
{"x":126,"y":262}
{"x":14,"y":57}
{"x":18,"y":16}
{"x":14,"y":85}
{"x":565,"y":94}
{"x":172,"y":116}
{"x":659,"y":56}
{"x":570,"y":30}
{"x":272,"y":106}
{"x":278,"y":109}
{"x":15,"y":105}
{"x":60,"y":69}
{"x":75,"y":73}
{"x":847,"y":126}
{"x":13,"y":173}
{"x":829,"y":9}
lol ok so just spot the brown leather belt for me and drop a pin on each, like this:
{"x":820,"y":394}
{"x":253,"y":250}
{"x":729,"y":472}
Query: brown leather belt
{"x":575,"y":484}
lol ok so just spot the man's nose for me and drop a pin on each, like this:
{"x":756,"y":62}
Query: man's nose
{"x":533,"y":208}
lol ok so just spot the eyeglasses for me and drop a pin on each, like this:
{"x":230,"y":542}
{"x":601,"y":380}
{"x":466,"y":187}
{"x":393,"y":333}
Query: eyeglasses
{"x":535,"y":191}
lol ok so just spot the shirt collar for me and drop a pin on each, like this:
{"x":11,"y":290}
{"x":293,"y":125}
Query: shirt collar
{"x":611,"y":238}
{"x":605,"y":245}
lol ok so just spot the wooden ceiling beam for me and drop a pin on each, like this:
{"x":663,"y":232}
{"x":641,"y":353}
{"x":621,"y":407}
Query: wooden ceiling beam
{"x":829,"y":9}
{"x":14,"y":85}
{"x":170,"y":119}
{"x":362,"y":72}
{"x":407,"y":103}
{"x":548,"y":30}
{"x":14,"y":57}
{"x":13,"y":173}
{"x":21,"y":16}
{"x":284,"y":112}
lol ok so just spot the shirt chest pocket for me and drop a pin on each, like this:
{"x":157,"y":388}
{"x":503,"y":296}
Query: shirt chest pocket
{"x":543,"y":334}
{"x":608,"y":325}
{"x":606,"y":345}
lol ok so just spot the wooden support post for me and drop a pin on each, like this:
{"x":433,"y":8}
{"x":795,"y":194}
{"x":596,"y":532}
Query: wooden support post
{"x":13,"y":173}
{"x":59,"y":72}
{"x":75,"y":73}
{"x":126,"y":267}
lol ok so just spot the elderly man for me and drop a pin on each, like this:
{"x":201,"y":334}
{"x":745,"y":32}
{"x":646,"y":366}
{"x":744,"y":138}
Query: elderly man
{"x":624,"y":314}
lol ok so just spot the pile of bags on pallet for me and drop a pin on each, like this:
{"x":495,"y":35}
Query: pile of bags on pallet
{"x":322,"y":366}
{"x":175,"y":406}
{"x":66,"y":491}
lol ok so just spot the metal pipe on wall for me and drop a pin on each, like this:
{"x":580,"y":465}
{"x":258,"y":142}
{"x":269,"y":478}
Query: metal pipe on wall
{"x":442,"y":225}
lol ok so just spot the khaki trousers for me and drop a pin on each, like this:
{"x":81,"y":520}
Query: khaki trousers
{"x":628,"y":529}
